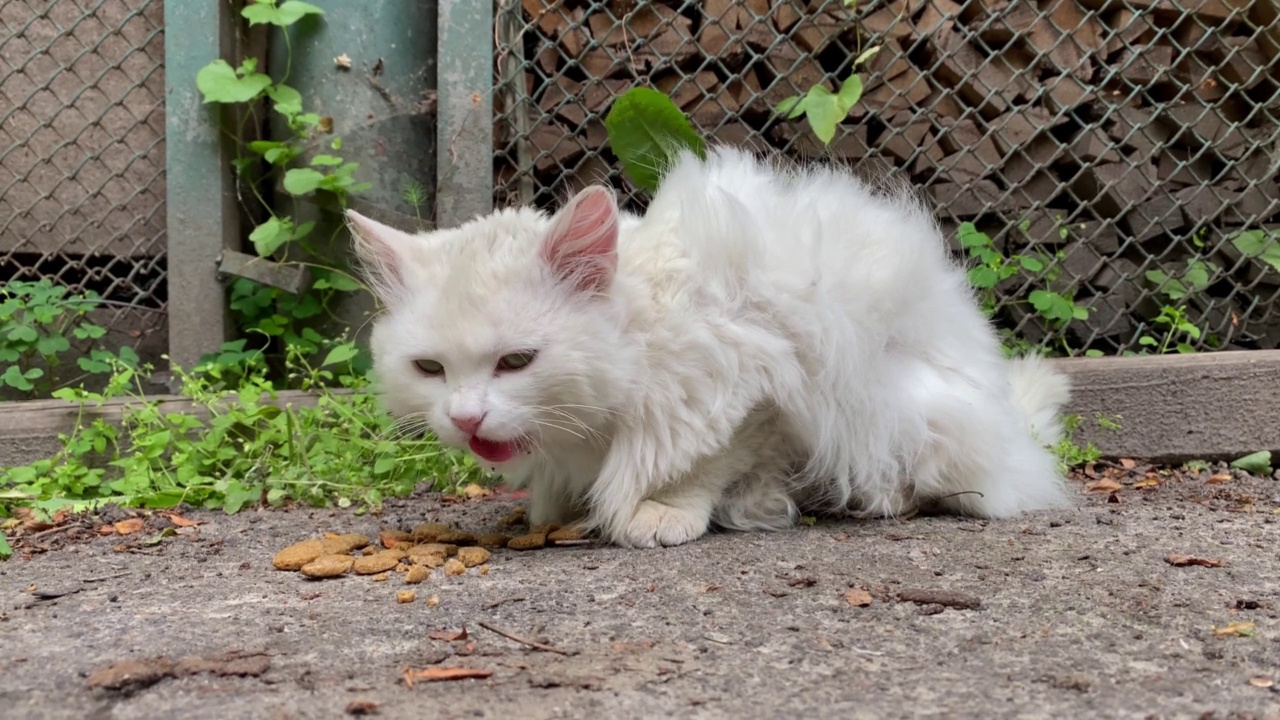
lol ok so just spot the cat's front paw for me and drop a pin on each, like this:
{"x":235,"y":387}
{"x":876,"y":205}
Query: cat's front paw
{"x":658,"y":524}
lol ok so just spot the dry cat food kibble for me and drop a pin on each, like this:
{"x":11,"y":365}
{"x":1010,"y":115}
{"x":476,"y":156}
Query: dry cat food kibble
{"x":473,"y":556}
{"x":416,"y":553}
{"x":376,"y":563}
{"x":327,"y":566}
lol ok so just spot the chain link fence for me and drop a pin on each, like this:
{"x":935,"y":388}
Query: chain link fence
{"x":1120,"y":155}
{"x":82,"y":157}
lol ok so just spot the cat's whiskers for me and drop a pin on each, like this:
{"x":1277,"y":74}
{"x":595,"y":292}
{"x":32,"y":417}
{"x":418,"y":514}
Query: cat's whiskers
{"x":567,"y":418}
{"x":410,"y":425}
{"x":557,"y":426}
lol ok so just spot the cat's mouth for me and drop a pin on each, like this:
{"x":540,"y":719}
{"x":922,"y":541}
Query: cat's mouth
{"x":494,"y":451}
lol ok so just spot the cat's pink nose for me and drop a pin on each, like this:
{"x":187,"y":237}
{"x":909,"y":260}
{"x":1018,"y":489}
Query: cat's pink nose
{"x":469,"y":425}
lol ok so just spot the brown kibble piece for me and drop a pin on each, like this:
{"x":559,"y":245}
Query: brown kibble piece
{"x":472,"y":556}
{"x":513,"y":518}
{"x":454,"y":567}
{"x":492,"y":540}
{"x":543,"y":529}
{"x":348,"y":541}
{"x":427,"y":560}
{"x":299,"y":554}
{"x":406,"y":596}
{"x":433,"y":601}
{"x":474,"y":491}
{"x":376,"y":563}
{"x":417,"y":574}
{"x":369,"y":550}
{"x":391,"y":538}
{"x":532,"y":541}
{"x":456,"y":537}
{"x":428,"y":532}
{"x":566,"y":534}
{"x":327,"y":566}
{"x":484,"y":569}
{"x":380,"y":577}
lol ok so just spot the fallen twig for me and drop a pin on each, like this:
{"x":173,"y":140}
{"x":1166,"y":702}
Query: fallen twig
{"x":526,"y":641}
{"x":100,"y":578}
{"x":504,"y":601}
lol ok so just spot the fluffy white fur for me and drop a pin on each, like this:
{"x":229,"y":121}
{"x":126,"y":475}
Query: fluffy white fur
{"x":763,"y":341}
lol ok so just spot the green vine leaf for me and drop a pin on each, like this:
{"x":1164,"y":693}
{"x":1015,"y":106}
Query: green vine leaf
{"x":825,"y":110}
{"x":220,"y":83}
{"x":646,"y":131}
{"x":340,"y":354}
{"x":287,"y":99}
{"x":1259,"y":244}
{"x":270,"y":235}
{"x":282,"y":15}
{"x":300,"y":181}
{"x":1258,"y":463}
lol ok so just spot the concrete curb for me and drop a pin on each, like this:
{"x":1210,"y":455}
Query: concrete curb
{"x":1171,"y":408}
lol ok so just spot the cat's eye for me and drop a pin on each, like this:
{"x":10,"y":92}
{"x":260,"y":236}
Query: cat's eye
{"x":516,"y":361}
{"x":429,"y":367}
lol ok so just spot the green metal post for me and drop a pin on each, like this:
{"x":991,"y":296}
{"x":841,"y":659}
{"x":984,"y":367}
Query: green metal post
{"x":464,"y":132}
{"x":202,"y":212}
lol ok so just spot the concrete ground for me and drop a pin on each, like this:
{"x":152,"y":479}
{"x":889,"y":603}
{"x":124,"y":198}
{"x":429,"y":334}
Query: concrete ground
{"x":1080,"y":613}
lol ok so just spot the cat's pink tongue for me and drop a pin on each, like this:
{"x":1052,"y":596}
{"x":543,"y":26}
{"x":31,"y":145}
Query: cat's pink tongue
{"x":493,"y":451}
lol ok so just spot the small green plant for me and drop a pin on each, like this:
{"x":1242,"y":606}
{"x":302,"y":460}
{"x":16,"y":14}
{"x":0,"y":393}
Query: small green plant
{"x":989,"y":267}
{"x":1176,"y":330}
{"x":824,"y":109}
{"x":38,"y":321}
{"x":239,"y":446}
{"x":415,"y":195}
{"x":1072,"y":454}
{"x":263,"y":312}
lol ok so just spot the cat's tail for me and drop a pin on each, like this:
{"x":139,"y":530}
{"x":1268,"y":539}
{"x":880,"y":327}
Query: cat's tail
{"x":1039,"y":392}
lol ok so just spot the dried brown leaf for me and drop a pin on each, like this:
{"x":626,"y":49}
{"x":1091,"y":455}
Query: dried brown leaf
{"x":180,"y":521}
{"x":857,"y":597}
{"x":130,"y":526}
{"x":1128,"y":463}
{"x":1239,"y":628}
{"x":434,"y":674}
{"x":362,"y":707}
{"x":1219,"y":478}
{"x":1188,"y":560}
{"x":1103,"y":485}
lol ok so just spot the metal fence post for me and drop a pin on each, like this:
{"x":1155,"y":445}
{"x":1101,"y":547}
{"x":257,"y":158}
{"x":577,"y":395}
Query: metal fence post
{"x":203,"y":215}
{"x":464,"y":132}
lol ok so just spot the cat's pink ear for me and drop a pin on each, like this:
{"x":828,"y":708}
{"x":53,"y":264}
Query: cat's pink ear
{"x":582,"y":245}
{"x":378,"y":247}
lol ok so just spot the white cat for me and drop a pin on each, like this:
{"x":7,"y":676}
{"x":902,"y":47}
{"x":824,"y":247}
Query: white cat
{"x":763,"y":341}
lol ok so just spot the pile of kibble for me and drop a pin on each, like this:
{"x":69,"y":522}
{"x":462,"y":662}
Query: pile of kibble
{"x":414,"y":554}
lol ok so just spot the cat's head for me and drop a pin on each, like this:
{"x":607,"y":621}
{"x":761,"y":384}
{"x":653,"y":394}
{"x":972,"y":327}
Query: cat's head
{"x":502,"y":335}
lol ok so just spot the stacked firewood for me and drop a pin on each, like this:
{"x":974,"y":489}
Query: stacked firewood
{"x":1110,"y":131}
